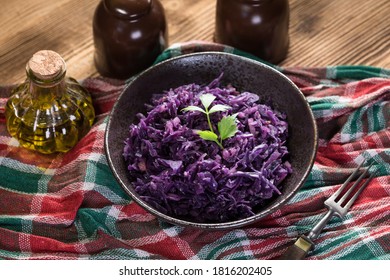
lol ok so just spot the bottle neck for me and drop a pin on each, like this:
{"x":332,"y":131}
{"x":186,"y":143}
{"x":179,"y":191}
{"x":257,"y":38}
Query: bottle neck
{"x":48,"y":89}
{"x":128,"y":9}
{"x":254,"y":2}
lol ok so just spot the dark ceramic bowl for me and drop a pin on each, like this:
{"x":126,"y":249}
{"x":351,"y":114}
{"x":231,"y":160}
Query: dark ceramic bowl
{"x":242,"y":73}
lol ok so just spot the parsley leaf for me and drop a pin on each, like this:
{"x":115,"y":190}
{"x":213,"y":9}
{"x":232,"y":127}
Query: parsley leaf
{"x":219,"y":108}
{"x":209,"y":135}
{"x":194,"y":108}
{"x":206,"y":100}
{"x":227,"y":127}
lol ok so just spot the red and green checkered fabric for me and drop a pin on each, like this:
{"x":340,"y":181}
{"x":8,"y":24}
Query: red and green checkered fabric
{"x":69,"y":206}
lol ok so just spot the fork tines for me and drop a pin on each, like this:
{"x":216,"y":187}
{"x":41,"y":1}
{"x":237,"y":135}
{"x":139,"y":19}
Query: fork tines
{"x":340,"y":201}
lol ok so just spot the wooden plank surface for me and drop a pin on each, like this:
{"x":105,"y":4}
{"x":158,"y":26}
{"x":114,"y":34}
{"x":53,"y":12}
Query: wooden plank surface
{"x":322,"y":33}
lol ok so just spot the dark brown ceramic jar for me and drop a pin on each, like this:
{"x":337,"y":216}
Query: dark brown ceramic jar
{"x":128,"y":36}
{"x":259,"y":27}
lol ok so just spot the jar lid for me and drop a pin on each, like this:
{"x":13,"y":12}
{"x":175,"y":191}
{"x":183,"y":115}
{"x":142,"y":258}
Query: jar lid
{"x":128,"y":9}
{"x":46,"y":64}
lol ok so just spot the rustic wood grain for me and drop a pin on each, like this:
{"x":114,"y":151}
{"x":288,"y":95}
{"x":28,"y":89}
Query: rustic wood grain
{"x":322,"y":33}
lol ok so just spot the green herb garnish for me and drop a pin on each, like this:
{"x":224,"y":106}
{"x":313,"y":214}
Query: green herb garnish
{"x":227,"y":126}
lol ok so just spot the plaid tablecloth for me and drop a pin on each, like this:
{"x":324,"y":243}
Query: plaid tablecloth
{"x":69,"y":206}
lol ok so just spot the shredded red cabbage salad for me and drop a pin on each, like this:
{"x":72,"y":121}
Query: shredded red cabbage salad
{"x":184,"y":176}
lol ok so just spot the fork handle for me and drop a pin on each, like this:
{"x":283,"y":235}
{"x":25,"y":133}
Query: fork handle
{"x":320,"y":225}
{"x":299,"y":249}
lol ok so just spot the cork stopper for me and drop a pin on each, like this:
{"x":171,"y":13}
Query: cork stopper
{"x":46,"y":64}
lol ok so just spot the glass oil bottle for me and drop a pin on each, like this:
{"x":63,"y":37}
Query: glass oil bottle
{"x":49,"y":112}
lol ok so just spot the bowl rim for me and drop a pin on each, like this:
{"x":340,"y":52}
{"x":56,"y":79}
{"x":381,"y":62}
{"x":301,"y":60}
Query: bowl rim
{"x":219,"y":225}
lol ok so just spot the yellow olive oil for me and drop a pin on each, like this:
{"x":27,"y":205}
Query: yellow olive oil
{"x":49,"y":112}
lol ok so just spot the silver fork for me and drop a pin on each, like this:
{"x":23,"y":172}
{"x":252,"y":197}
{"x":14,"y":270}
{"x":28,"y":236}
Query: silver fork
{"x":337,"y":206}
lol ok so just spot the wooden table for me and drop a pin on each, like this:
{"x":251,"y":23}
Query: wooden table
{"x":322,"y":32}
